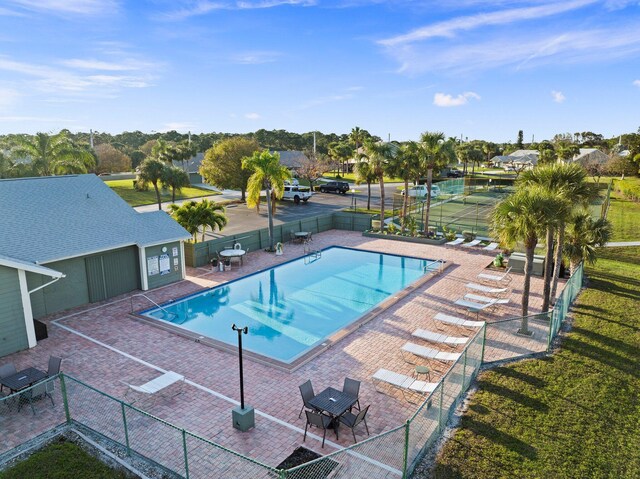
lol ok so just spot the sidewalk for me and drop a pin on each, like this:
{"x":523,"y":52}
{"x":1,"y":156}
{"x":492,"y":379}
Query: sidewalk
{"x":622,"y":243}
{"x":226,"y":195}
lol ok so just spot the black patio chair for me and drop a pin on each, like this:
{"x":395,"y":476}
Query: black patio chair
{"x":54,"y":366}
{"x":7,"y":370}
{"x":39,"y":391}
{"x":306,"y":390}
{"x":318,"y":420}
{"x":352,"y":387}
{"x":351,"y":421}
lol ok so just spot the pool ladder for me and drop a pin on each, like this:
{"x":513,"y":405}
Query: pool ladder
{"x":168,"y":313}
{"x":427,"y":267}
{"x":311,"y":255}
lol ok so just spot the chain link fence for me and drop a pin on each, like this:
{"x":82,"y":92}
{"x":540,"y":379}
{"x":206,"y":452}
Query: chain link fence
{"x":391,"y":454}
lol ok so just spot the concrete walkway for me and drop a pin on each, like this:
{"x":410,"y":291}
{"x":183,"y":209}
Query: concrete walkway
{"x":622,"y":243}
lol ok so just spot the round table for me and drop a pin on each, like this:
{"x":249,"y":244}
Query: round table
{"x":233,"y":253}
{"x":302,"y":235}
{"x":423,"y":370}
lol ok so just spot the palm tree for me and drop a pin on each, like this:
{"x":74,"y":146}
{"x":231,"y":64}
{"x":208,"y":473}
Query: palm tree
{"x":405,"y":165}
{"x":584,"y":235}
{"x":570,"y":183}
{"x":379,"y":155}
{"x":522,"y":216}
{"x":548,"y":177}
{"x":174,"y":178}
{"x":435,"y":152}
{"x":269,"y":174}
{"x":204,"y":214}
{"x":53,"y":154}
{"x":364,"y":173}
{"x":151,"y":171}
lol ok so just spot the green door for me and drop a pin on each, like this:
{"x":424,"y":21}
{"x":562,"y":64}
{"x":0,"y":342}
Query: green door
{"x":112,"y":273}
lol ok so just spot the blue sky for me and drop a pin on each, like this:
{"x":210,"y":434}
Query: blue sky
{"x":480,"y":69}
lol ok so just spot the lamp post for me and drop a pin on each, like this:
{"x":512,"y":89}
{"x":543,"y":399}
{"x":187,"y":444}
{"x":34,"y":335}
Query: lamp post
{"x":243,"y":417}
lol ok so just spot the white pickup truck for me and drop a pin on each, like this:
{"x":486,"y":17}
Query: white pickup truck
{"x":293,"y":191}
{"x":421,"y":191}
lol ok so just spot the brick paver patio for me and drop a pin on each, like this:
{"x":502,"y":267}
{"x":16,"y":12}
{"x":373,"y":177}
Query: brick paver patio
{"x":106,"y":347}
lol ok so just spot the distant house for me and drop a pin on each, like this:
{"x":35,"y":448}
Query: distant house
{"x":70,"y":240}
{"x":590,"y":155}
{"x":293,"y":159}
{"x":192,"y":167}
{"x":517,"y":159}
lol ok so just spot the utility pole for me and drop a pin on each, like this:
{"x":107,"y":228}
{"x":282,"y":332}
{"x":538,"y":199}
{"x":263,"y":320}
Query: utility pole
{"x":91,"y":138}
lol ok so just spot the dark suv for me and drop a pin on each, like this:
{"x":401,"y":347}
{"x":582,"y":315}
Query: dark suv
{"x":335,"y":187}
{"x":453,"y":173}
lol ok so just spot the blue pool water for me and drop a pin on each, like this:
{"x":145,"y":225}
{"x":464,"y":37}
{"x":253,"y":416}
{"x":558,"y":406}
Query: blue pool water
{"x":293,"y":307}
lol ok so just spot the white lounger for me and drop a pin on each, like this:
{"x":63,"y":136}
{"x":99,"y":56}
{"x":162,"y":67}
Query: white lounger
{"x":472,"y":306}
{"x":445,"y":318}
{"x":485,"y":289}
{"x":485,"y":299}
{"x":455,"y":242}
{"x":428,"y":353}
{"x":438,"y":338}
{"x":496,"y":278}
{"x":472,"y":243}
{"x":490,"y":247}
{"x":402,"y":382}
{"x":158,"y":384}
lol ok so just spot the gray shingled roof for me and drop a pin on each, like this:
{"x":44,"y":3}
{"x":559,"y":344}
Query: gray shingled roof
{"x":52,"y":218}
{"x":293,"y":159}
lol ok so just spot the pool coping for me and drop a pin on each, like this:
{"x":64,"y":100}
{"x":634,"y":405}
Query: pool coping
{"x":312,"y":353}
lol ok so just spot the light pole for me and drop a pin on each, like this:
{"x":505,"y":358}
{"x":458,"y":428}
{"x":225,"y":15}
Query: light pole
{"x":243,"y":417}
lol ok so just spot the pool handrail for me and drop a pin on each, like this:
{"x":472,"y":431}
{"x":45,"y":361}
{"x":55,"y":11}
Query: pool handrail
{"x":169,"y":313}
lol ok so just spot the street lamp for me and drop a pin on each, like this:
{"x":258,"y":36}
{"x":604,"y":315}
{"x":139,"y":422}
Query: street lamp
{"x":243,"y":417}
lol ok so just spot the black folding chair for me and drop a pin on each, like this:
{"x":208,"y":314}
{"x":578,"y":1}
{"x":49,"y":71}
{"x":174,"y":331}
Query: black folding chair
{"x":352,"y":387}
{"x":318,"y":420}
{"x":306,"y":390}
{"x":351,"y":421}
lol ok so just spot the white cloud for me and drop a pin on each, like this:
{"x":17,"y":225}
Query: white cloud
{"x":8,"y":97}
{"x":183,"y":127}
{"x":558,"y":96}
{"x":636,"y":83}
{"x":449,"y":28}
{"x":446,"y":100}
{"x":205,"y":6}
{"x":66,"y":80}
{"x":80,"y":7}
{"x":91,"y":64}
{"x":526,"y":49}
{"x":252,"y":116}
{"x":256,"y":58}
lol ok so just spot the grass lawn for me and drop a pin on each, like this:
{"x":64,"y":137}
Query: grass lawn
{"x":574,"y":414}
{"x":62,"y":461}
{"x":624,"y":214}
{"x":138,"y":198}
{"x":388,"y":213}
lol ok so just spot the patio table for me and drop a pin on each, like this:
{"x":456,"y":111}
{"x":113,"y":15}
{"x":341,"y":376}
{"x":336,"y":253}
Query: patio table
{"x":335,"y":403}
{"x":233,"y":253}
{"x":23,"y":379}
{"x":302,"y":236}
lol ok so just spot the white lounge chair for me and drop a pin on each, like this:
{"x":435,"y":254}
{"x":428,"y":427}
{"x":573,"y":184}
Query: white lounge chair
{"x":484,"y":299}
{"x":490,"y":247}
{"x":485,"y":289}
{"x":405,"y":383}
{"x":428,"y":353}
{"x":158,"y":384}
{"x":445,"y":318}
{"x":496,"y":278}
{"x":438,"y":338}
{"x":471,"y":243}
{"x":455,"y":242}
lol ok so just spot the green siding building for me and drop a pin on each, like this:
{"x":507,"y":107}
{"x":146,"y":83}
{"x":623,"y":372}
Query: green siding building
{"x":70,"y":240}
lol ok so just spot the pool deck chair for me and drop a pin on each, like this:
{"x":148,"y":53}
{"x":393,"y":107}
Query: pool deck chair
{"x":433,"y":337}
{"x":490,"y":247}
{"x":455,"y":242}
{"x":485,"y":299}
{"x":471,"y":243}
{"x":406,"y":384}
{"x":158,"y":384}
{"x":445,"y":318}
{"x":485,"y":289}
{"x":427,"y":353}
{"x":496,"y":278}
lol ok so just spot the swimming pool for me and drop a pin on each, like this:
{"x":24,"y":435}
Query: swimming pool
{"x":294,"y":307}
